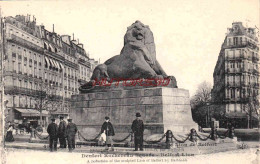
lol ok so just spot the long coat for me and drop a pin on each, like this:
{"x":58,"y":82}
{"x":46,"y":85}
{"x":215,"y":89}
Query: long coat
{"x":109,"y":129}
{"x":138,"y":127}
{"x":62,"y":129}
{"x":71,"y":129}
{"x":52,"y":130}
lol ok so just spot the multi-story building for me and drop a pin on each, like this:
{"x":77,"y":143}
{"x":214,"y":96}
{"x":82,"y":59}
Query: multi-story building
{"x":41,"y":70}
{"x":236,"y":76}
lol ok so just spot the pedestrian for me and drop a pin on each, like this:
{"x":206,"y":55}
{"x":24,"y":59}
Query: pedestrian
{"x":108,"y":129}
{"x":71,"y":132}
{"x":138,"y":130}
{"x":9,"y":134}
{"x":62,"y":133}
{"x":53,"y":135}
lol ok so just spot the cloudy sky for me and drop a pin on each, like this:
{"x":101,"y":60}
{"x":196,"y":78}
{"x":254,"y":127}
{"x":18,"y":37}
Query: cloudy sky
{"x":188,"y":33}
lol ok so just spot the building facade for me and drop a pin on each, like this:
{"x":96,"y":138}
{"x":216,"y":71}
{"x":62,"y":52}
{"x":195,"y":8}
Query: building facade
{"x":42,"y":69}
{"x":236,"y":77}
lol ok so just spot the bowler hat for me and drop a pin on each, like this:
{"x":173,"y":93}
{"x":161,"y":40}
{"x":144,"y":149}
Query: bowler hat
{"x":106,"y":118}
{"x":61,"y":117}
{"x":138,"y":115}
{"x":69,"y":119}
{"x":53,"y":119}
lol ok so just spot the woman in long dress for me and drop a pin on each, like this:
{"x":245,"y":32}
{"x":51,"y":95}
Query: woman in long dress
{"x":9,"y":135}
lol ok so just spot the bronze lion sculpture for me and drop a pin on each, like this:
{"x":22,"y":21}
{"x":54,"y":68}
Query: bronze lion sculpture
{"x":137,"y":59}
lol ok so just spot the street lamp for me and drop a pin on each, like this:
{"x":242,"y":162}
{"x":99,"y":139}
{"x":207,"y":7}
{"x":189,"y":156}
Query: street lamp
{"x":207,"y":116}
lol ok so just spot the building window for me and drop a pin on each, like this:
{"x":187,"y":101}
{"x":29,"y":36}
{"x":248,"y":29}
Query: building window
{"x":14,"y":101}
{"x":235,"y":41}
{"x":232,"y":93}
{"x":238,"y":93}
{"x":45,"y":46}
{"x":14,"y":55}
{"x":20,"y":83}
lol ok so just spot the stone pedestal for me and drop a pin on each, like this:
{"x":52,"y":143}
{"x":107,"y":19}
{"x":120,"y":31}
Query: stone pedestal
{"x":162,"y":109}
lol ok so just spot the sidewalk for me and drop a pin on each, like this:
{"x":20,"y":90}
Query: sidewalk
{"x":87,"y":149}
{"x":182,"y":150}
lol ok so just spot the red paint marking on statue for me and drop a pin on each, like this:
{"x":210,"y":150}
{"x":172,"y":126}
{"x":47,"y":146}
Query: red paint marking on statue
{"x":132,"y":82}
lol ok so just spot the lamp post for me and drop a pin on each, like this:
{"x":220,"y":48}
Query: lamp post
{"x":207,"y":116}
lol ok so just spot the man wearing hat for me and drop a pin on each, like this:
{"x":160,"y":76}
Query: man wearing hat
{"x":71,"y":132}
{"x":108,"y":129}
{"x":138,"y":130}
{"x":62,"y":133}
{"x":53,"y":132}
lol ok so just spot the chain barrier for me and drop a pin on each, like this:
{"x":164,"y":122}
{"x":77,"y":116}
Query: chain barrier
{"x":190,"y":136}
{"x":225,"y":135}
{"x":153,"y":142}
{"x":203,"y":139}
{"x":181,"y":141}
{"x":89,"y":140}
{"x":41,"y":137}
{"x":122,"y":140}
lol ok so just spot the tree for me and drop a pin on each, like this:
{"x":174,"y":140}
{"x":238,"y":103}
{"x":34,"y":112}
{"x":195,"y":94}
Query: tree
{"x":251,"y":107}
{"x":199,"y":101}
{"x":47,"y":100}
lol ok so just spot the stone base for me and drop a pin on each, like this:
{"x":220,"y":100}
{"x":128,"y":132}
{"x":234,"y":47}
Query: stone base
{"x":162,"y":109}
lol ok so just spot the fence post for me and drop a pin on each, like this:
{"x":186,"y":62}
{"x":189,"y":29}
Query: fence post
{"x":213,"y":135}
{"x":193,"y":137}
{"x":169,"y":137}
{"x":230,"y":131}
{"x":32,"y":137}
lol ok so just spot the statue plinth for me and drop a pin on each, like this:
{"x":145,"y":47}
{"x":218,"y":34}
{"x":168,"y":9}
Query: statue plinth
{"x":162,"y":108}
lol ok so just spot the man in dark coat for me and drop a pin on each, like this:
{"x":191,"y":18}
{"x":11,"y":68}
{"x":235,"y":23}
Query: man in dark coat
{"x":62,"y":133}
{"x":71,"y":132}
{"x":138,"y":130}
{"x":108,"y":129}
{"x":53,"y":135}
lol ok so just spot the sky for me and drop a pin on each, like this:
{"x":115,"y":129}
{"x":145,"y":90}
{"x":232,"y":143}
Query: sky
{"x":188,"y":33}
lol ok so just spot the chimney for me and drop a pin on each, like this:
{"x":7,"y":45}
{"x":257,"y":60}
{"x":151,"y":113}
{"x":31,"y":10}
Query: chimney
{"x":73,"y":36}
{"x":53,"y":28}
{"x":78,"y":41}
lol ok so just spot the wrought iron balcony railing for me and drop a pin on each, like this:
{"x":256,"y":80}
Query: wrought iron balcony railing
{"x":25,"y":43}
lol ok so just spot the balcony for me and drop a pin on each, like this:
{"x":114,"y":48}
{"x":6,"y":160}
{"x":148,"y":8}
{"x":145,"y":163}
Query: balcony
{"x":234,"y":70}
{"x":24,"y":43}
{"x":13,"y":90}
{"x":243,"y":44}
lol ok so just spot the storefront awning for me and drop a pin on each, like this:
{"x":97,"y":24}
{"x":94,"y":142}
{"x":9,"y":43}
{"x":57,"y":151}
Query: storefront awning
{"x":62,"y":67}
{"x":58,"y":65}
{"x":52,"y":63}
{"x":47,"y":61}
{"x":31,"y":112}
{"x":239,"y":115}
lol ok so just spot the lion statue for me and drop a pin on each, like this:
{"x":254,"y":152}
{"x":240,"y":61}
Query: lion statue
{"x":137,"y":59}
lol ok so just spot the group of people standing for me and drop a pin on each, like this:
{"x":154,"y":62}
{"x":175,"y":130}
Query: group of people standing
{"x":62,"y":132}
{"x":68,"y":132}
{"x":137,"y":128}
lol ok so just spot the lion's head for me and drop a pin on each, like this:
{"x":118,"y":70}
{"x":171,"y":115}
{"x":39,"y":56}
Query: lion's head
{"x":141,"y":33}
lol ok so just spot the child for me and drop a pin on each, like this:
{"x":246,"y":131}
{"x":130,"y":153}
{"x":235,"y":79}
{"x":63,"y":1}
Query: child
{"x":108,"y":129}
